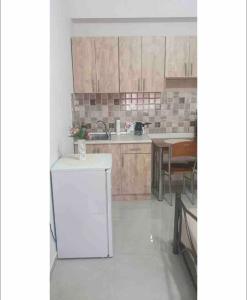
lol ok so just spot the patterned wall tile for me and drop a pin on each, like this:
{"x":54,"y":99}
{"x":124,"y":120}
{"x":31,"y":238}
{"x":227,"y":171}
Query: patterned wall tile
{"x":171,"y":111}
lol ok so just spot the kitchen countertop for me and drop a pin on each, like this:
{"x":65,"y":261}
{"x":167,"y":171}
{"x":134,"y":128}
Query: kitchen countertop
{"x":122,"y":139}
{"x":171,"y":135}
{"x":97,"y":161}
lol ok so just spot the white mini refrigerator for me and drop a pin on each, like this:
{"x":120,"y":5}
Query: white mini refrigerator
{"x":81,"y":192}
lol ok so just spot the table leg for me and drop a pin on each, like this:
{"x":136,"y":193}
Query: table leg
{"x":160,"y":196}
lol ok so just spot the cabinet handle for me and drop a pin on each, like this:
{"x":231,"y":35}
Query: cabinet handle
{"x":143,"y":85}
{"x":135,"y":149}
{"x":122,"y":161}
{"x":191,"y":69}
{"x":138,"y":85}
{"x":185,"y":69}
{"x":98,"y":85}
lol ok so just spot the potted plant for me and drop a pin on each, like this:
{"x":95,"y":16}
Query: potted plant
{"x":78,"y":133}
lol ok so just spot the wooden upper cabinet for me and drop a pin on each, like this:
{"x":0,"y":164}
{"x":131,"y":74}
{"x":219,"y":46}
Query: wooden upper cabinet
{"x":181,"y":56}
{"x":153,"y":64}
{"x":107,"y":64}
{"x":130,"y":64}
{"x":177,"y":56}
{"x":84,"y":71}
{"x":193,"y":56}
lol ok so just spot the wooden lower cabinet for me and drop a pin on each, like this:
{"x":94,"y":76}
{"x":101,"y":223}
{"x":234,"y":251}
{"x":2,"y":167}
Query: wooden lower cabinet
{"x":136,"y":173}
{"x":116,"y":163}
{"x":131,"y":169}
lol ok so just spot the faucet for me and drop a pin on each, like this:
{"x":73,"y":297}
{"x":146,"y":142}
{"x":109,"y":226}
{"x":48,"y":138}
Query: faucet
{"x":104,"y":123}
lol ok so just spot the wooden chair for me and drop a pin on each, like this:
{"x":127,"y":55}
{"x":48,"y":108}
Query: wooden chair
{"x":181,"y":160}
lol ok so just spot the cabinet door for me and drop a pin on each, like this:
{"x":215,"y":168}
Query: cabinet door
{"x":83,"y":57}
{"x":153,"y":64}
{"x":130,"y":64}
{"x":107,"y":64}
{"x":193,"y":56}
{"x":98,"y":148}
{"x":116,"y":169}
{"x":136,"y":173}
{"x":116,"y":163}
{"x":177,"y":56}
{"x":136,"y":148}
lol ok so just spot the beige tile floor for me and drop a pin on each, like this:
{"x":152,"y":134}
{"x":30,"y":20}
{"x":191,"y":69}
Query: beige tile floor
{"x":143,"y":266}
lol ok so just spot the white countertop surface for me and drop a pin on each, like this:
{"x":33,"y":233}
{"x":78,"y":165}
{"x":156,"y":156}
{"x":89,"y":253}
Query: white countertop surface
{"x":92,"y":162}
{"x":145,"y":138}
{"x":121,"y":139}
{"x":171,"y":135}
{"x":174,"y":141}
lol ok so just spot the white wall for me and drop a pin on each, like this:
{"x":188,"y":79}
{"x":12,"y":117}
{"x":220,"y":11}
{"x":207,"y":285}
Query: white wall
{"x":133,"y":17}
{"x":132,"y":8}
{"x":133,"y":28}
{"x":61,"y":87}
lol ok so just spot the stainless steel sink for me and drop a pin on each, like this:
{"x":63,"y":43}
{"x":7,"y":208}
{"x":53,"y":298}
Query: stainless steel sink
{"x":99,"y":136}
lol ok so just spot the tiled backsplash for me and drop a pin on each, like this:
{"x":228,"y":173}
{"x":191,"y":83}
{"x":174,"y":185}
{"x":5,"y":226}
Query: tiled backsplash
{"x":171,"y":111}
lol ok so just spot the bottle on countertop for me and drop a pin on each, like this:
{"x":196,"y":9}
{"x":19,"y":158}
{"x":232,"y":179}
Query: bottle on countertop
{"x":117,"y":126}
{"x":82,"y":149}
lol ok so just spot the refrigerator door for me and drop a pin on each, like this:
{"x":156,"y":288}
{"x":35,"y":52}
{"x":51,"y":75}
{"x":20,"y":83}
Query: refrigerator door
{"x":80,"y":205}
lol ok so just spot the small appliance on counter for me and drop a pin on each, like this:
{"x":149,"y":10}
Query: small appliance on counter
{"x":139,"y":127}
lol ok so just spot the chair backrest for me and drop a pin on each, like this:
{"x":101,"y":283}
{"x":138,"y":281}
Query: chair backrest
{"x":188,"y":148}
